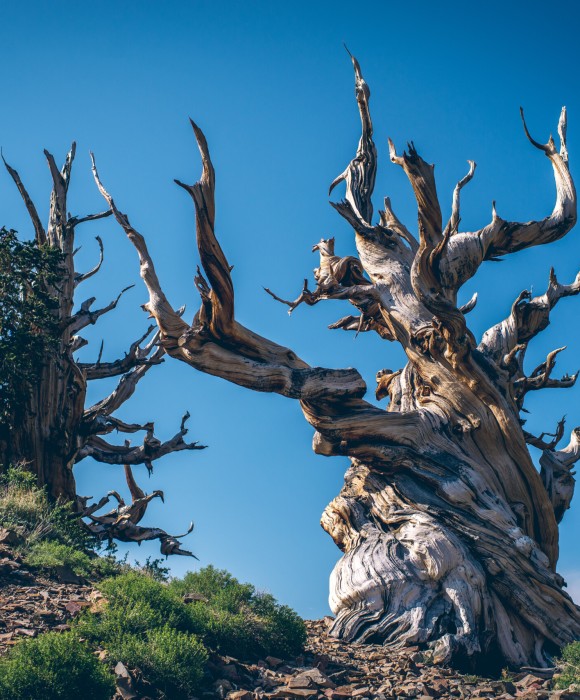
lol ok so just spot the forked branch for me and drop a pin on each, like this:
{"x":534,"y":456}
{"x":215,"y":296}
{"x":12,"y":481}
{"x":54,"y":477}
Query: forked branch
{"x":529,"y":316}
{"x":135,"y":357}
{"x":466,"y":251}
{"x":539,"y":441}
{"x":122,"y":392}
{"x":336,"y":278}
{"x":151,"y":449}
{"x":541,"y":378}
{"x":87,"y":275}
{"x":361,"y":172}
{"x":121,"y":523}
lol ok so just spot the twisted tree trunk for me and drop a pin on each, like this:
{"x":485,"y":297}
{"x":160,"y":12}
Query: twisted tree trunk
{"x":53,"y":430}
{"x":449,"y":534}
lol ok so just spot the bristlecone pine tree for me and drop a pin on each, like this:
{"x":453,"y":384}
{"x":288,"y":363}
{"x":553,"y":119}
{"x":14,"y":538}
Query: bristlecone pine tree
{"x":449,"y":534}
{"x":49,"y":429}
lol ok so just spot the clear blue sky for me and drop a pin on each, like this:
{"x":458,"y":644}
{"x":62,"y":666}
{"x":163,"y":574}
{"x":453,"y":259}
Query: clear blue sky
{"x":272,"y":87}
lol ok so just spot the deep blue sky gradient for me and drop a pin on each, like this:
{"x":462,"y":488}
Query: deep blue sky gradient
{"x":272,"y":87}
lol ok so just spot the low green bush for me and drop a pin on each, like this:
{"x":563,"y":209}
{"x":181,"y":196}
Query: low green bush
{"x":48,"y":555}
{"x":54,"y":666}
{"x":145,"y":625}
{"x":25,"y":506}
{"x":569,"y":663}
{"x":173,"y":661}
{"x":132,"y":588}
{"x":154,"y":568}
{"x":238,"y":620}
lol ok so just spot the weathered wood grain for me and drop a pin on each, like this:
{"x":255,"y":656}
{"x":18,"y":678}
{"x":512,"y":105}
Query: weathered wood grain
{"x":449,"y":534}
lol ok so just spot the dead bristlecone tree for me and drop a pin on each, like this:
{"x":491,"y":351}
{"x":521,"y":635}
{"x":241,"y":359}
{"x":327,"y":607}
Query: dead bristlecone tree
{"x":47,"y":427}
{"x":449,"y":533}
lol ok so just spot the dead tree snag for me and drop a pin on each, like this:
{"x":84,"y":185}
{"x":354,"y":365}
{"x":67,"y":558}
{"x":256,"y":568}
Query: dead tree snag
{"x":54,"y":429}
{"x":449,"y":534}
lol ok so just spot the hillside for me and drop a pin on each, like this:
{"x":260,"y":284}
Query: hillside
{"x":32,"y":603}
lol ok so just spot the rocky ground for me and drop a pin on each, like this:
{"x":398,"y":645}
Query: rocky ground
{"x":336,"y":671}
{"x":31,"y":604}
{"x":328,"y":670}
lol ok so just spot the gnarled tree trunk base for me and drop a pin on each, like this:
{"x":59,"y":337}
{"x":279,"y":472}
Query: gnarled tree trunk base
{"x":408,"y":578}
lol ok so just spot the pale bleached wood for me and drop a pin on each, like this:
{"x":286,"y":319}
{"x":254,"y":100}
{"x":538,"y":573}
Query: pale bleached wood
{"x":449,"y":534}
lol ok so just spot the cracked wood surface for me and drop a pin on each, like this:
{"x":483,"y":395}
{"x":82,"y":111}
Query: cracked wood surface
{"x":449,"y":534}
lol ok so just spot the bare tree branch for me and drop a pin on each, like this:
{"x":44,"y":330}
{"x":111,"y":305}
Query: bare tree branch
{"x":466,"y":251}
{"x":38,"y":227}
{"x":244,"y":357}
{"x":76,"y":220}
{"x":58,"y":215}
{"x":390,"y":221}
{"x":85,"y":317}
{"x":123,"y":391}
{"x":121,"y":523}
{"x":528,"y":317}
{"x":336,"y":278}
{"x":539,"y":441}
{"x":361,"y":172}
{"x":151,"y":449}
{"x":453,"y":223}
{"x":426,"y":279}
{"x":158,"y":305}
{"x":86,"y":275}
{"x":364,"y":323}
{"x":136,"y":356}
{"x":540,"y":378}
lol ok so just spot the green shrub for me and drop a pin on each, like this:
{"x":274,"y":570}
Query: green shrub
{"x":173,"y":661}
{"x":145,"y":625}
{"x":50,"y":555}
{"x":105,"y":566}
{"x":569,"y":662}
{"x":238,"y":620}
{"x":153,"y":568}
{"x":109,"y":627}
{"x":217,"y":585}
{"x":54,"y":667}
{"x":132,"y":588}
{"x":27,"y":507}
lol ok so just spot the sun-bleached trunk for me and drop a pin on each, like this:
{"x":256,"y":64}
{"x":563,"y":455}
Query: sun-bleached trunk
{"x":449,"y":534}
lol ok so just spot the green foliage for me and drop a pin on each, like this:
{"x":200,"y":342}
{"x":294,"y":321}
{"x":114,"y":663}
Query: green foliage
{"x":54,"y":666}
{"x":105,"y":566}
{"x":153,"y":568}
{"x":237,"y":619}
{"x":18,"y":478}
{"x":145,"y":623}
{"x":172,"y":661}
{"x":25,"y":506}
{"x":569,"y":662}
{"x":133,"y":588}
{"x":28,"y":323}
{"x":49,"y":555}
